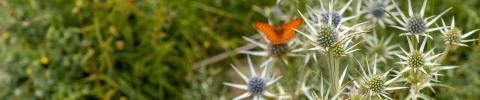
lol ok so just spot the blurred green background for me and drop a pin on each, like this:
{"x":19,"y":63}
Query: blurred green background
{"x":147,"y":49}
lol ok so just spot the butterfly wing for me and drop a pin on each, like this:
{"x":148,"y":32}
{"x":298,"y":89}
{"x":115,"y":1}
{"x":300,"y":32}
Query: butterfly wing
{"x":288,"y":29}
{"x":268,"y":31}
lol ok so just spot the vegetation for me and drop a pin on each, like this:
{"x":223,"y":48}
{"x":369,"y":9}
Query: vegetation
{"x":154,"y":49}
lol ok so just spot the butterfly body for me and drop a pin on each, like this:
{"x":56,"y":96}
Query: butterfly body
{"x":279,"y":35}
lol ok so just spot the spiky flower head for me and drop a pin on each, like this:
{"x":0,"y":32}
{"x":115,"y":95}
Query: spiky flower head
{"x":328,"y":15}
{"x":374,"y":84}
{"x":343,"y":48}
{"x":419,"y":81}
{"x":336,"y":18}
{"x":378,"y":11}
{"x":255,"y":85}
{"x":453,"y":35}
{"x":417,"y":59}
{"x":381,"y":48}
{"x":272,"y":51}
{"x":416,"y":24}
{"x":327,"y":36}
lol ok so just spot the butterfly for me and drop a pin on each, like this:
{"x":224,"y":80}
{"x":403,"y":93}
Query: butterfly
{"x":279,"y":35}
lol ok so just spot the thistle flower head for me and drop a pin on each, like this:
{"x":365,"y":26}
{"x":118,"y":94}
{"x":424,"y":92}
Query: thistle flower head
{"x":416,"y":24}
{"x":374,"y":84}
{"x":343,"y":48}
{"x":381,"y":48}
{"x":272,"y":51}
{"x":377,"y":9}
{"x":255,"y":84}
{"x":453,"y":35}
{"x":327,"y":36}
{"x":336,"y":19}
{"x":378,"y":12}
{"x":328,"y":14}
{"x":417,"y":59}
{"x":337,"y":50}
{"x":420,"y":81}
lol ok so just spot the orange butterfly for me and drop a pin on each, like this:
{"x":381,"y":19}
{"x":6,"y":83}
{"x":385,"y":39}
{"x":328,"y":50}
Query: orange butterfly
{"x":278,"y":35}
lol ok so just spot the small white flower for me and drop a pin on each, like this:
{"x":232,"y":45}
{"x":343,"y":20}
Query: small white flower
{"x":453,"y":35}
{"x":416,"y":24}
{"x":255,"y":85}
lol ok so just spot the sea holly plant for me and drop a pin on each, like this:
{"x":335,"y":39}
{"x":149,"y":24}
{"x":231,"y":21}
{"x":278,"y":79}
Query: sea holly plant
{"x":372,"y":84}
{"x":377,"y":11}
{"x":401,"y":61}
{"x":256,"y":85}
{"x":416,"y":23}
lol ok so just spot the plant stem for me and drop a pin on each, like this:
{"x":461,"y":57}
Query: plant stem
{"x":417,"y":91}
{"x":284,"y":73}
{"x":413,"y":71}
{"x":333,"y":70}
{"x":445,"y":53}
{"x":414,"y":42}
{"x":337,"y":74}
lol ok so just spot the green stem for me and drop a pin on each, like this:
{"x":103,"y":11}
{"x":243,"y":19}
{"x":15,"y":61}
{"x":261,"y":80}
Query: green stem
{"x":333,"y":70}
{"x":417,"y":91}
{"x":336,"y":74}
{"x":414,"y":42}
{"x":445,"y":54}
{"x":284,"y":73}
